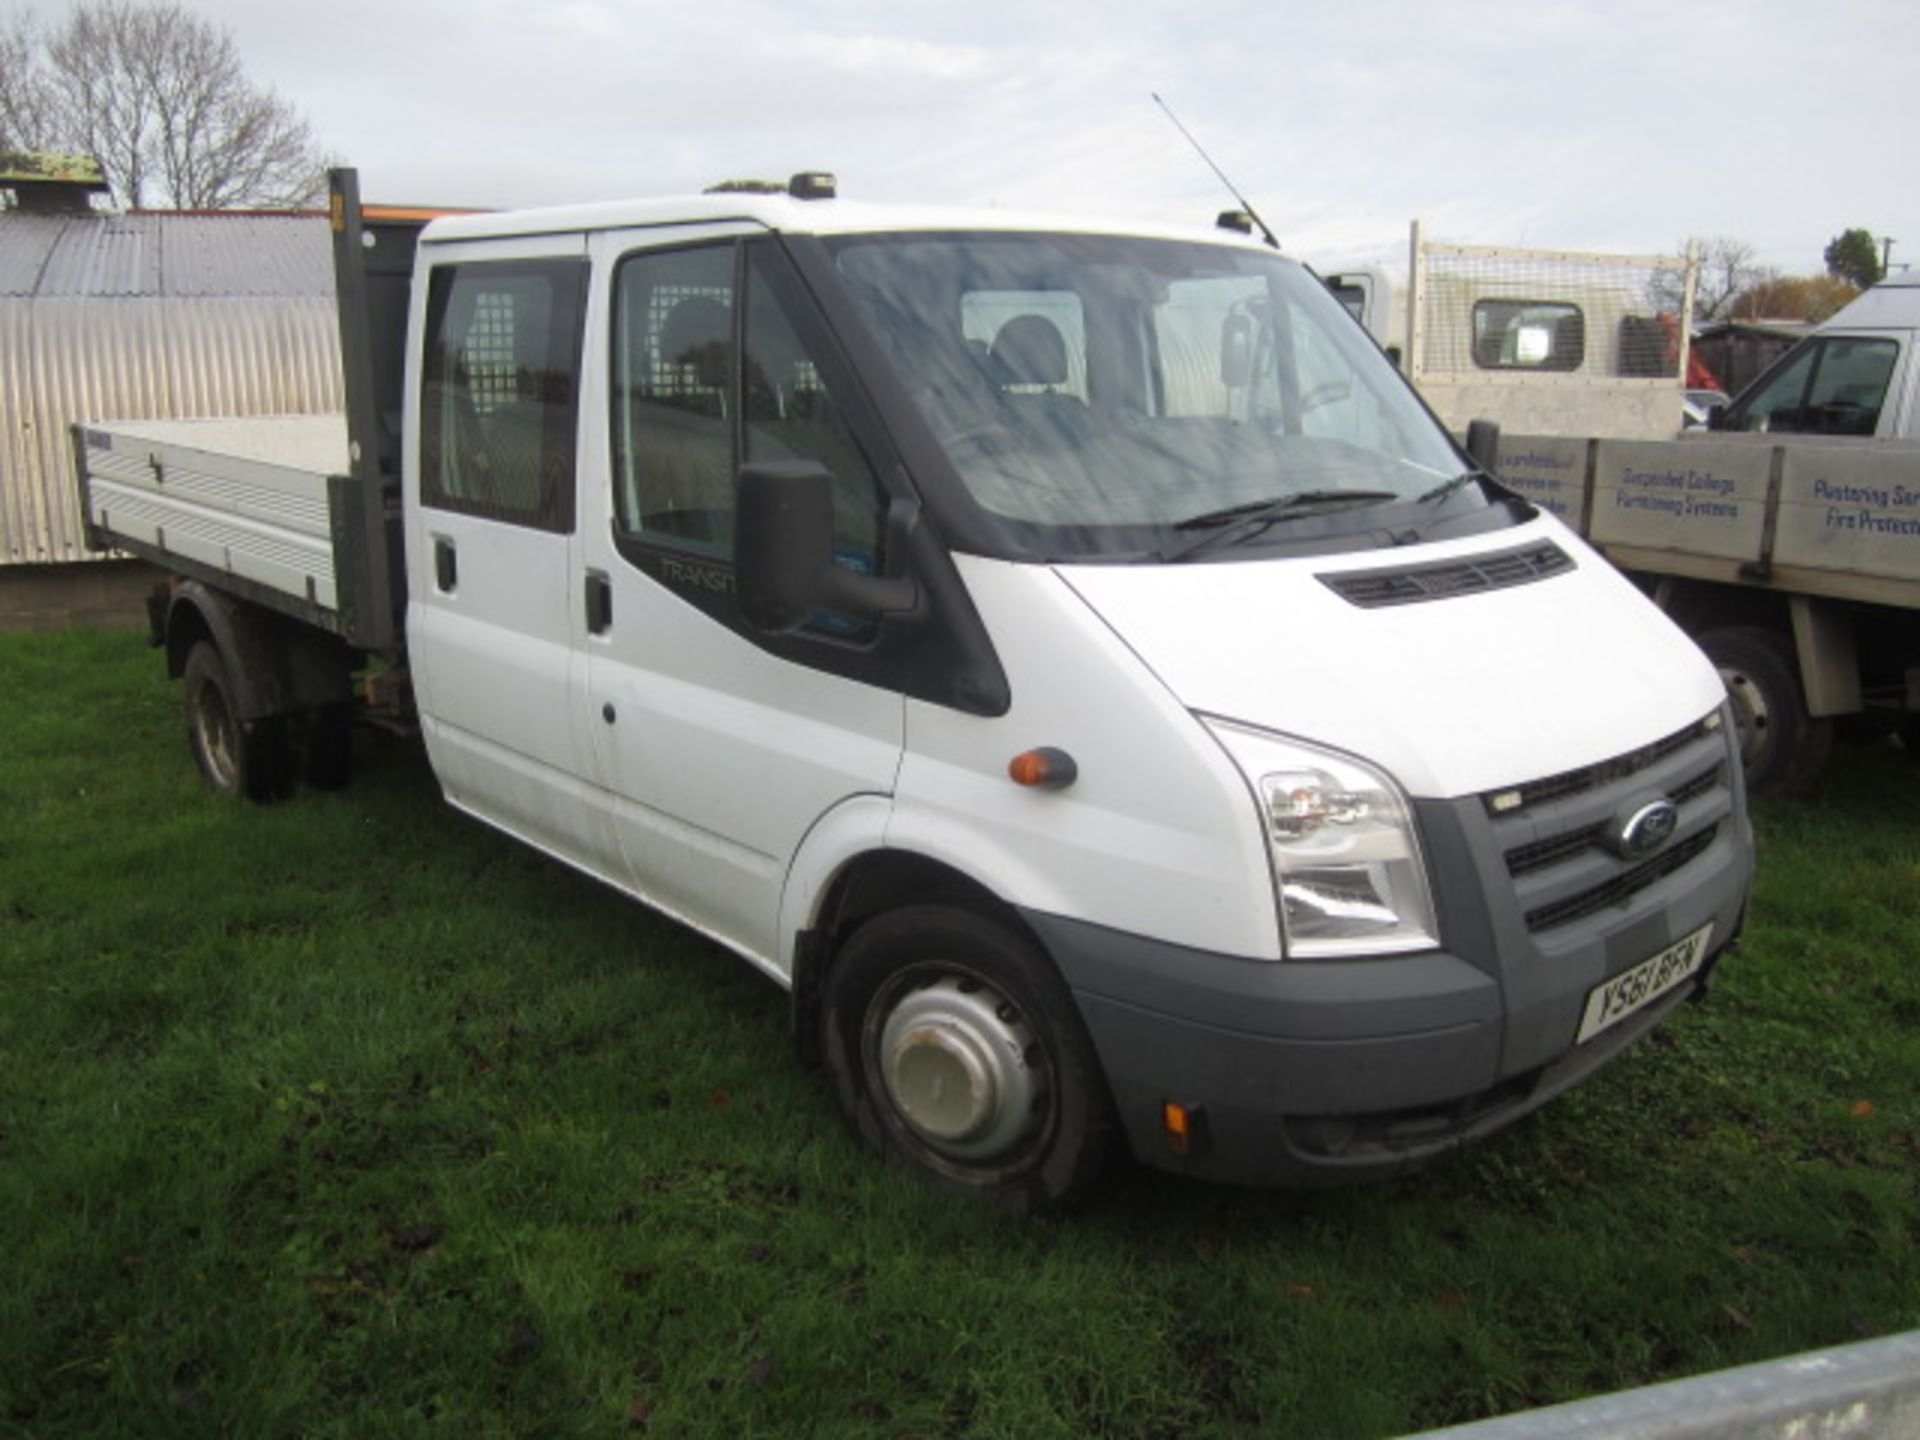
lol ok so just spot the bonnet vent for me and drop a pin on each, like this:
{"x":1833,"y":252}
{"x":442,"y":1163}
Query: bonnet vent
{"x":1473,"y":576}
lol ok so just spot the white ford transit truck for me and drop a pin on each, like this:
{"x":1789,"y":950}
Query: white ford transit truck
{"x":1067,"y":656}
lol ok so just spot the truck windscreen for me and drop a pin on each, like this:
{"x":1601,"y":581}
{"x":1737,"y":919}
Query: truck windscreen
{"x":1104,"y":395}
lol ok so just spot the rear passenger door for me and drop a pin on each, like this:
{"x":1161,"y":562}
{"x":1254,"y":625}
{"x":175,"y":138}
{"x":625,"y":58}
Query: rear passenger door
{"x":715,"y":754}
{"x":492,"y":540}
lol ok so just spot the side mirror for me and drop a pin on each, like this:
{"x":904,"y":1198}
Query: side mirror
{"x":1717,"y":416}
{"x":1483,"y":444}
{"x":784,"y":568}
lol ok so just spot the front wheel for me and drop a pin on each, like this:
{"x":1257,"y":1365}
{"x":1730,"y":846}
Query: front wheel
{"x":956,"y":1050}
{"x":1782,"y":746}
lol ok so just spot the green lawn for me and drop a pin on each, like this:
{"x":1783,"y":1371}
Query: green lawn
{"x":348,"y":1118}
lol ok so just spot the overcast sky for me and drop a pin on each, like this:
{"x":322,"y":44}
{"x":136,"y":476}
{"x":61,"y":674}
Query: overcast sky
{"x":1616,"y":125}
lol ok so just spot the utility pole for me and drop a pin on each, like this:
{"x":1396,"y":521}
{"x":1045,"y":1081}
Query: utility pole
{"x":1886,"y":256}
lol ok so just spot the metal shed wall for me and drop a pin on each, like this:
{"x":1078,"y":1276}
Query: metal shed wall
{"x":148,"y":317}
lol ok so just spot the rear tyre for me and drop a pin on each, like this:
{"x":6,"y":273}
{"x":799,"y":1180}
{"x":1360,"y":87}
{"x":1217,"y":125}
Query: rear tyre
{"x":957,"y":1052}
{"x":237,"y":757}
{"x":1782,"y":747}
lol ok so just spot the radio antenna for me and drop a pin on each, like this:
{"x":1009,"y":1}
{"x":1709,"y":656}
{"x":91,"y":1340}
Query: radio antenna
{"x":1232,"y":189}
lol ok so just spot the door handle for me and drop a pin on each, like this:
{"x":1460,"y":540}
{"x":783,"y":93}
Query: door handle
{"x":446,"y":564}
{"x":599,"y":603}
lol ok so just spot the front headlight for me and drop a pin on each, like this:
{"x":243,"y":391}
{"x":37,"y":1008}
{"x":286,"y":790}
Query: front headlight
{"x":1346,"y":860}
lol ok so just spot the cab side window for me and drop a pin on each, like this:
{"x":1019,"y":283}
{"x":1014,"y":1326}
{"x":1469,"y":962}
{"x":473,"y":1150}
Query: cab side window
{"x":1850,"y":386}
{"x":1832,"y":386}
{"x":689,"y":407}
{"x":673,"y":398}
{"x":501,"y":390}
{"x":792,"y":413}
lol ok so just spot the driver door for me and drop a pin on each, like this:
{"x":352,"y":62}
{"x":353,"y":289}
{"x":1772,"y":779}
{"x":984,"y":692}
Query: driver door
{"x":715,"y":755}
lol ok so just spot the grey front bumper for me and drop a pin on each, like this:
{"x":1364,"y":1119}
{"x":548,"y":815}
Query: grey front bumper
{"x":1326,"y":1072}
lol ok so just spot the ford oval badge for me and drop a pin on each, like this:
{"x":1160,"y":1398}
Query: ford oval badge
{"x":1647,"y":829}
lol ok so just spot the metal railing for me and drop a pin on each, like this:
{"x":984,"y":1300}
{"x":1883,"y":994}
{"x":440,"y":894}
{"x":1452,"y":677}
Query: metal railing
{"x":1867,"y":1391}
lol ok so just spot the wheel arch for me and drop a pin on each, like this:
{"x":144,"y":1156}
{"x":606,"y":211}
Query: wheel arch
{"x":274,"y":665}
{"x":867,"y":884}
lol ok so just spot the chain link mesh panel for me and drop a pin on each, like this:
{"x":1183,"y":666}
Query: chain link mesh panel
{"x":1483,"y":311}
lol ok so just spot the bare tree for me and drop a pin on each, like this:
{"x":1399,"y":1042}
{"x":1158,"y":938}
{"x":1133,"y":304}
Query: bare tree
{"x":158,"y":96}
{"x":25,"y":104}
{"x":1727,"y":269}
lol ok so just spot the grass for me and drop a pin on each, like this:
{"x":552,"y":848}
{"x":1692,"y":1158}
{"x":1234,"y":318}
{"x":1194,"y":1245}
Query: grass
{"x":349,"y":1118}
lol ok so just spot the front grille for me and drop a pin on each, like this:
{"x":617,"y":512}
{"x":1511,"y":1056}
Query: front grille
{"x":1622,"y":887}
{"x":1539,"y":854}
{"x":1593,"y":777}
{"x":1525,"y":859}
{"x":1555,"y":834}
{"x":1409,"y":585}
{"x":1701,"y":784}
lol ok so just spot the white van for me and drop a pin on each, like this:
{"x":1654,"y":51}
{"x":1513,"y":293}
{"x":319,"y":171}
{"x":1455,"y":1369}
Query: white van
{"x":1854,"y":376}
{"x":1067,"y":656}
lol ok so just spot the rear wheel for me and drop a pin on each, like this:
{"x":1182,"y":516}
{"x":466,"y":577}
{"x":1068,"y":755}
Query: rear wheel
{"x":237,"y":757}
{"x":1781,"y":745}
{"x":956,"y":1051}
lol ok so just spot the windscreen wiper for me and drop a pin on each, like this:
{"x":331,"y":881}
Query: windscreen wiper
{"x":1447,"y":487}
{"x":1243,"y":521}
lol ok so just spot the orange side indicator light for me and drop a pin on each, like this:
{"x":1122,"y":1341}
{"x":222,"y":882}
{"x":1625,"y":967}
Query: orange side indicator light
{"x":1177,"y":1126}
{"x":1046,"y":768}
{"x":1183,"y":1127}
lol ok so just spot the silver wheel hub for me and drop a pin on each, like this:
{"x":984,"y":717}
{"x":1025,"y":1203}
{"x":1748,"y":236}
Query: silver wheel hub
{"x":952,"y":1056}
{"x":216,"y":732}
{"x":1750,"y":716}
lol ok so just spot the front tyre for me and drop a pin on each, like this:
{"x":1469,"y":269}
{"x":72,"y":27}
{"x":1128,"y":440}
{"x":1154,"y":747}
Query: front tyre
{"x":956,"y":1051}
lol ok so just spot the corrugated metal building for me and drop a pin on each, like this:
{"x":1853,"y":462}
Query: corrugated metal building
{"x":148,"y":316}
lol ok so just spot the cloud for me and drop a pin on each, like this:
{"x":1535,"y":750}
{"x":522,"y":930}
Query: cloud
{"x":894,"y":58}
{"x":1621,"y":125}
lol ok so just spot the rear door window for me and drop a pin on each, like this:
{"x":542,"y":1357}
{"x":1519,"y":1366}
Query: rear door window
{"x":502,"y":383}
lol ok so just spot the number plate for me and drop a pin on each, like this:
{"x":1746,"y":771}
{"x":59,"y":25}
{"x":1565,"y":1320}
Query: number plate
{"x":1612,"y":1001}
